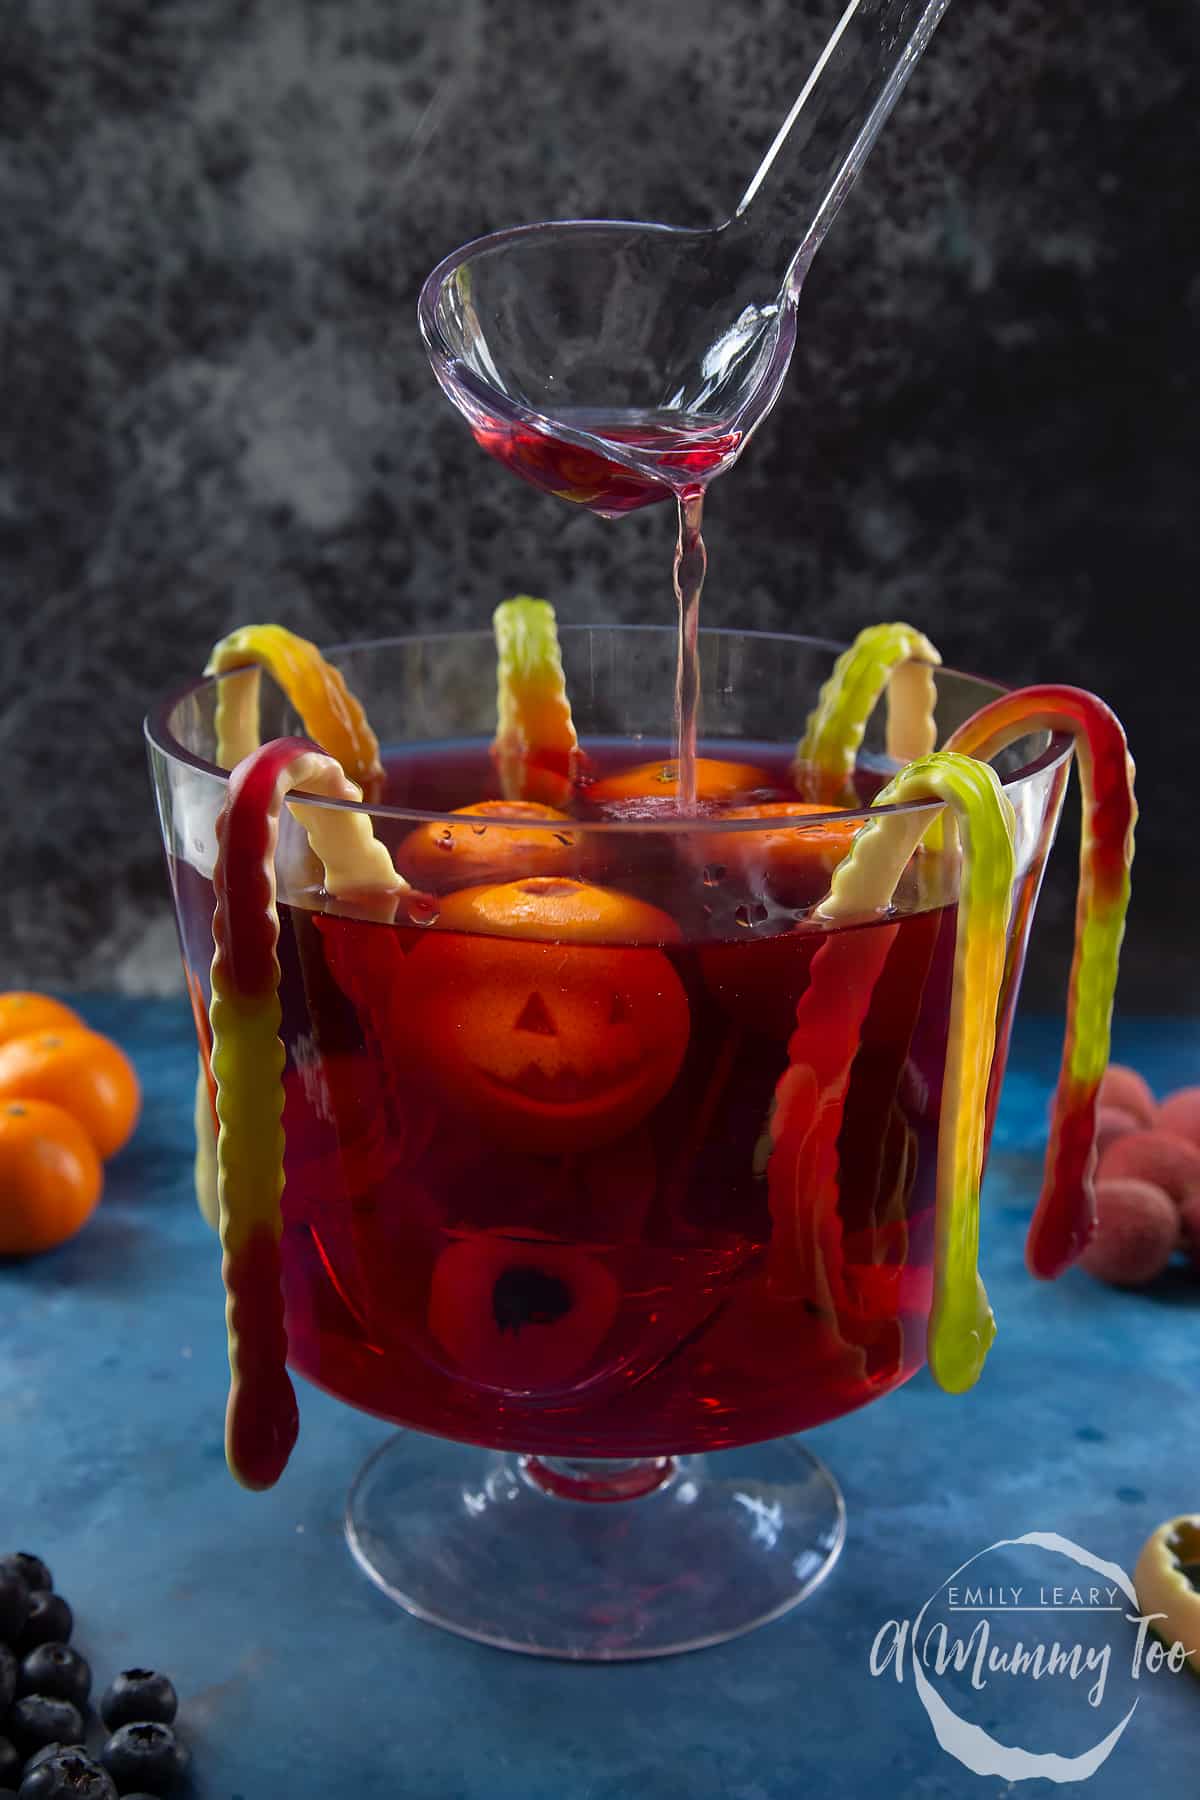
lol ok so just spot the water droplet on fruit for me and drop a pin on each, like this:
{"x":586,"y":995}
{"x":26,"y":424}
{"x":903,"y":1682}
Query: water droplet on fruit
{"x":714,"y":874}
{"x":479,"y":830}
{"x":422,"y":910}
{"x":565,"y":838}
{"x":750,"y":915}
{"x":446,"y":841}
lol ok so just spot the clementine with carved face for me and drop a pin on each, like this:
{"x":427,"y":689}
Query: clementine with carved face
{"x":547,"y":1038}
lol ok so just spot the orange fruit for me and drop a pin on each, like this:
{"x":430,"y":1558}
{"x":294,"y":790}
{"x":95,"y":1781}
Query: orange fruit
{"x":715,"y":780}
{"x":87,"y":1075}
{"x":558,"y":910}
{"x":488,"y":846}
{"x":50,"y":1177}
{"x":22,"y":1013}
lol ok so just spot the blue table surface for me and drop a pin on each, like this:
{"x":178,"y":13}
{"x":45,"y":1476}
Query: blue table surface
{"x":300,"y":1679}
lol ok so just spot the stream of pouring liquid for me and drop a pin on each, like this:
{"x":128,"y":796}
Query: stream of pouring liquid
{"x":691,"y":561}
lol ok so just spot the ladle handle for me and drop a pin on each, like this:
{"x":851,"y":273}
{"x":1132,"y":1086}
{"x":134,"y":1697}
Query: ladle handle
{"x":828,"y":134}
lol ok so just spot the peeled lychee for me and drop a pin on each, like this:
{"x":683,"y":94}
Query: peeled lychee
{"x":1170,"y":1163}
{"x":1130,"y":1091}
{"x":1137,"y":1230}
{"x":1180,"y":1115}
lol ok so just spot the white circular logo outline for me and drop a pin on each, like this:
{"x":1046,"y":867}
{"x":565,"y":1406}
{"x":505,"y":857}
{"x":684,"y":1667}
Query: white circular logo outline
{"x":974,"y":1747}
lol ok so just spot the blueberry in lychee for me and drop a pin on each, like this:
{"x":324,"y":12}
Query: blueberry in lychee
{"x":136,"y":1696}
{"x":58,"y":1671}
{"x":49,"y":1621}
{"x":520,"y":1312}
{"x":39,"y":1719}
{"x":146,"y":1753}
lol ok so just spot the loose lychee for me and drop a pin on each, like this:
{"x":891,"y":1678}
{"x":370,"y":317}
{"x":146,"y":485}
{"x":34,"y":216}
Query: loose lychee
{"x":1130,"y":1091}
{"x":1189,"y":1219}
{"x":1136,"y":1232}
{"x":1113,"y":1122}
{"x":1180,"y":1115}
{"x":1170,"y":1163}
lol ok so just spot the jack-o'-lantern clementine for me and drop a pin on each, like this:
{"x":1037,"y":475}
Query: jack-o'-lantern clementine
{"x":548,"y":1046}
{"x":498,"y":840}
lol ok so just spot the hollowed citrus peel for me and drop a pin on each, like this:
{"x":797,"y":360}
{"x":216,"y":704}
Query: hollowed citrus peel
{"x":1167,"y":1580}
{"x":329,"y":712}
{"x":961,"y":1327}
{"x":536,"y":749}
{"x":247,"y":1066}
{"x":893,"y":659}
{"x":1065,"y":1217}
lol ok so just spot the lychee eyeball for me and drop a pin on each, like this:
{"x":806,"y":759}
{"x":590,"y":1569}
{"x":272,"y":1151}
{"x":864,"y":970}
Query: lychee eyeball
{"x":1170,"y":1163}
{"x":1136,"y":1232}
{"x":1180,"y":1115}
{"x":1124,"y":1087}
{"x":1113,"y":1122}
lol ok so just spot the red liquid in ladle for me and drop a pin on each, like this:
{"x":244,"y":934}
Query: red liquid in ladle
{"x":686,"y":452}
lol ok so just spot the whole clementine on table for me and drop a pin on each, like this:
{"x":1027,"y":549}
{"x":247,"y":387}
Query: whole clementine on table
{"x":87,"y":1075}
{"x":50,"y":1177}
{"x":22,"y":1013}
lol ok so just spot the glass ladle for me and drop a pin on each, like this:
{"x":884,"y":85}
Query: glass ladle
{"x":617,"y":363}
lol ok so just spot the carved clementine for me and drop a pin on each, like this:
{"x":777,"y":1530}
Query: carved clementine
{"x":548,"y":1045}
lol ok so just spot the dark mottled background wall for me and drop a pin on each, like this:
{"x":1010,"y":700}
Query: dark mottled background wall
{"x":214,"y":219}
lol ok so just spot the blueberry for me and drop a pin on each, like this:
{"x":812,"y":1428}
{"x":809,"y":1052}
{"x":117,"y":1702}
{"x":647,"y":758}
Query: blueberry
{"x":8,"y":1678}
{"x":14,"y":1605}
{"x":137,"y":1696}
{"x":49,"y":1750}
{"x":71,"y":1775}
{"x":50,"y":1621}
{"x":38,"y":1720}
{"x":10,"y":1762}
{"x":56,"y":1670}
{"x":30,"y":1568}
{"x":146,"y":1753}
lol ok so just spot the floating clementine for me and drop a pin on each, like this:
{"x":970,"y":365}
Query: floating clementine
{"x":50,"y":1177}
{"x":488,"y":846}
{"x":22,"y":1013}
{"x":87,"y":1075}
{"x":552,"y":1045}
{"x":715,"y":780}
{"x":789,"y":859}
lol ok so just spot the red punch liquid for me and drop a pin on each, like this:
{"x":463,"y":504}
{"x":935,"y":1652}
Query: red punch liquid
{"x":603,"y":1200}
{"x":686,"y":450}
